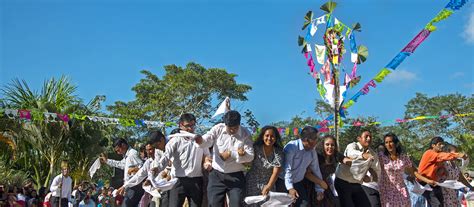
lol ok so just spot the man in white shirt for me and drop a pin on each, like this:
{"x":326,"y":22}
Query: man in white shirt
{"x":232,"y":146}
{"x":353,"y":191}
{"x":156,"y":141}
{"x":130,"y":160}
{"x":187,"y":162}
{"x":61,"y":187}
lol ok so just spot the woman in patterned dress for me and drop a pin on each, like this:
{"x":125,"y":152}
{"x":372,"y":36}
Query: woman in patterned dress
{"x":267,"y":163}
{"x":450,"y":171}
{"x":393,"y":191}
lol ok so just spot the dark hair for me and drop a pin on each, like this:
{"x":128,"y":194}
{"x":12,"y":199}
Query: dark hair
{"x":232,"y":118}
{"x":187,"y":117}
{"x":435,"y":140}
{"x":396,"y":141}
{"x":119,"y":142}
{"x":308,"y":131}
{"x":175,"y":131}
{"x":449,"y":147}
{"x":320,"y":147}
{"x":155,"y":136}
{"x":259,"y":141}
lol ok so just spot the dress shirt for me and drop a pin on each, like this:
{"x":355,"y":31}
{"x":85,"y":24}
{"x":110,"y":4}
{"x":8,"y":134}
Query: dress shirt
{"x":64,"y":190}
{"x":131,"y":159}
{"x":354,"y":151}
{"x":141,"y":174}
{"x":221,"y":141}
{"x":297,"y":161}
{"x":186,"y":157}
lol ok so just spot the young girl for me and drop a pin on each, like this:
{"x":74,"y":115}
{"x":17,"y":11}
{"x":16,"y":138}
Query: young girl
{"x":267,"y":163}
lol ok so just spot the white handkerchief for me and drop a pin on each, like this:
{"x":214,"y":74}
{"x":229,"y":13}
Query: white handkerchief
{"x":419,"y":189}
{"x":254,"y":199}
{"x":278,"y":199}
{"x":469,"y":196}
{"x":452,"y":184}
{"x":222,"y":108}
{"x":95,"y":166}
{"x":308,"y":48}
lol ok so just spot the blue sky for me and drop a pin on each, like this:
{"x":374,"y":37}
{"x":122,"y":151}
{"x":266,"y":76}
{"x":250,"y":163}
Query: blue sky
{"x":102,"y":46}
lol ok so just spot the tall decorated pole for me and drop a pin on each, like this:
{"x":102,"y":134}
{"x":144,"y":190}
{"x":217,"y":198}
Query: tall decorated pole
{"x":330,"y":55}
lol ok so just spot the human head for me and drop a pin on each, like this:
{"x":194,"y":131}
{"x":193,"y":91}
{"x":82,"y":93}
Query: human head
{"x":143,"y":154}
{"x":450,"y":148}
{"x":329,"y":145}
{"x":64,"y":168}
{"x":187,"y":122}
{"x":150,"y":150}
{"x":437,"y":144}
{"x":309,"y":136}
{"x":157,"y":140}
{"x":232,"y":121}
{"x":120,"y":146}
{"x":392,"y":144}
{"x":364,"y":138}
{"x":269,"y":134}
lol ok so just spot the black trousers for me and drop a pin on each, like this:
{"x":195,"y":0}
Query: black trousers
{"x":133,"y":195}
{"x":373,"y":196}
{"x":351,"y":194}
{"x":220,"y":184}
{"x":435,"y":197}
{"x":186,"y":187}
{"x":303,"y":199}
{"x":55,"y":202}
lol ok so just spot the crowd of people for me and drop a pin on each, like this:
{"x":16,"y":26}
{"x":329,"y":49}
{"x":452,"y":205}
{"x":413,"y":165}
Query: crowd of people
{"x":224,"y":165}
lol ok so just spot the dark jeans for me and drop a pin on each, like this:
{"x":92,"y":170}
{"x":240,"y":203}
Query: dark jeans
{"x":55,"y":202}
{"x":133,"y":195}
{"x":351,"y":194}
{"x":435,"y":197}
{"x":186,"y":187}
{"x":220,"y":184}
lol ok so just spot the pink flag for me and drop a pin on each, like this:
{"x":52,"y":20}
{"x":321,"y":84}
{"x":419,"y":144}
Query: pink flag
{"x":63,"y":117}
{"x":24,"y":114}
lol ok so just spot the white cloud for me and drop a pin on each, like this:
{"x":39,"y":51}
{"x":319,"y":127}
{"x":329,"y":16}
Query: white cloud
{"x":456,"y":75}
{"x":399,"y":76}
{"x":469,"y":29}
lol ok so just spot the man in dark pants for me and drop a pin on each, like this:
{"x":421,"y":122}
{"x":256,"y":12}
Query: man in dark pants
{"x":130,"y":160}
{"x":301,"y":155}
{"x":187,"y":161}
{"x":429,"y":164}
{"x":349,"y":185}
{"x":61,"y":187}
{"x":232,"y":146}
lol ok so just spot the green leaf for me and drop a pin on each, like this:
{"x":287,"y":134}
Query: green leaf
{"x":329,"y":6}
{"x":362,"y":54}
{"x":357,"y":27}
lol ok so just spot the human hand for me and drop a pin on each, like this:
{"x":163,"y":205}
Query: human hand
{"x":293,"y":194}
{"x":103,"y":158}
{"x":207,"y":166}
{"x":198,"y":139}
{"x":320,"y":196}
{"x":121,"y":190}
{"x":367,"y":155}
{"x":133,"y":170}
{"x":265,"y":190}
{"x":225,"y":155}
{"x":241,"y":151}
{"x":323,"y":184}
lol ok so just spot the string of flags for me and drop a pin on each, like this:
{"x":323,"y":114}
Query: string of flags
{"x":36,"y":115}
{"x":323,"y":128}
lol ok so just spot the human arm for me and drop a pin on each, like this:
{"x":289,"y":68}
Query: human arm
{"x":271,"y":181}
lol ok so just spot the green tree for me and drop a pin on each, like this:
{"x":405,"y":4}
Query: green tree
{"x":458,"y":130}
{"x":181,"y":90}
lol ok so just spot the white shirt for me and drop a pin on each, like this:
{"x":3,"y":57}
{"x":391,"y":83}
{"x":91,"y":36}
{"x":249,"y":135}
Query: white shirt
{"x":221,"y":141}
{"x":64,"y":190}
{"x":142,"y":173}
{"x":186,"y":157}
{"x":131,"y":159}
{"x":354,"y":151}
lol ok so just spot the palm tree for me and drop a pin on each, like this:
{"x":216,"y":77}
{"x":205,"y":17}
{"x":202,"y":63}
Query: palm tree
{"x":40,"y":139}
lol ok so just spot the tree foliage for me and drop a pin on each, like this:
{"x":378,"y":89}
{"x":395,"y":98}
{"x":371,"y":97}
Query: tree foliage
{"x":181,"y":90}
